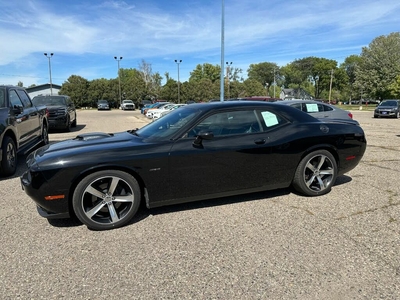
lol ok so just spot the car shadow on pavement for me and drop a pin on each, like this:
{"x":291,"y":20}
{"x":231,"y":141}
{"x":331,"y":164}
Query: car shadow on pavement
{"x":219,"y":201}
{"x":78,"y":127}
{"x":144,"y":213}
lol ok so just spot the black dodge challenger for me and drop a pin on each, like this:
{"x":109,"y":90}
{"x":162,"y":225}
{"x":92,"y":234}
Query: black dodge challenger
{"x":197,"y":152}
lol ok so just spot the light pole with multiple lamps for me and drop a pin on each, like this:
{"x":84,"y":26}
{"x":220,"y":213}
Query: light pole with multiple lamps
{"x":119,"y":80}
{"x":51,"y":84}
{"x":228,"y":72}
{"x":179,"y":93}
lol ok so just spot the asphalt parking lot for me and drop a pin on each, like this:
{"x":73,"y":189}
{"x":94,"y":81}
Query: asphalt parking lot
{"x":270,"y":245}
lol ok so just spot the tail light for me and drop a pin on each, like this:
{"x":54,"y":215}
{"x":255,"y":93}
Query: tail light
{"x":350,"y":115}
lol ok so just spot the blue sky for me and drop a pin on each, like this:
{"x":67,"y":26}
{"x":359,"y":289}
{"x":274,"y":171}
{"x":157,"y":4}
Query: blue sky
{"x":85,"y":35}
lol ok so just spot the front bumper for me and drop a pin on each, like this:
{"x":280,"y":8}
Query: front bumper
{"x":60,"y":122}
{"x":385,"y":114}
{"x":37,"y":188}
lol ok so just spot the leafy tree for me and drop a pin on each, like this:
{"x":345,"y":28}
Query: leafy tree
{"x":379,"y":66}
{"x":169,"y":91}
{"x":206,"y":71}
{"x":349,"y":66}
{"x":133,"y":86}
{"x":77,"y":88}
{"x":265,"y":73}
{"x":252,"y":87}
{"x":394,"y":87}
{"x":315,"y":70}
{"x":98,"y":89}
{"x":20,"y":83}
{"x":200,"y":90}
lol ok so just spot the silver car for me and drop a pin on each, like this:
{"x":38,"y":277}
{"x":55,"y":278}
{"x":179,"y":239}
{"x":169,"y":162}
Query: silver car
{"x":319,"y":110}
{"x":389,"y":108}
{"x":128,"y":105}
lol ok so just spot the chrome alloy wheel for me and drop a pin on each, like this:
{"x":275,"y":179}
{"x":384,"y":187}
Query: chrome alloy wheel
{"x":106,"y":199}
{"x":318,"y":173}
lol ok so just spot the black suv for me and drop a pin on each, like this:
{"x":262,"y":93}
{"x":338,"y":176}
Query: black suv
{"x":62,"y":112}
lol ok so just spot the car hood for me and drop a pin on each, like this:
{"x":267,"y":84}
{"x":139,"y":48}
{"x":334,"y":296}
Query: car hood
{"x":96,"y":144}
{"x":55,"y":107}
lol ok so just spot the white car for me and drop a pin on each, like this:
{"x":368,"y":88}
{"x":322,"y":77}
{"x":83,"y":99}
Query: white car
{"x":128,"y":105}
{"x":165,"y":107}
{"x":161,"y":113}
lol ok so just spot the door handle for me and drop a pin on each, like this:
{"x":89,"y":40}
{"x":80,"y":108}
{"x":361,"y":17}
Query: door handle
{"x":259,"y":141}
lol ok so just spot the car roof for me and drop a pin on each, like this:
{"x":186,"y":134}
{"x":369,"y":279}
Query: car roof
{"x":285,"y":110}
{"x":300,"y":101}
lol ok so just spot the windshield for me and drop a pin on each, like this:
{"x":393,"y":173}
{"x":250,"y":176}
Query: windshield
{"x":168,"y":125}
{"x":388,"y":103}
{"x":49,"y":101}
{"x":103,"y":102}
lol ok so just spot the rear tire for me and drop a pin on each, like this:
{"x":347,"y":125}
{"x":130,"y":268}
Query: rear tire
{"x":9,"y":158}
{"x":316,"y":173}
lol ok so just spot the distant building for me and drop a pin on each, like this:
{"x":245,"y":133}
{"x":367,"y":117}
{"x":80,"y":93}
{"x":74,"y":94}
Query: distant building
{"x":43,"y":89}
{"x":299,"y":93}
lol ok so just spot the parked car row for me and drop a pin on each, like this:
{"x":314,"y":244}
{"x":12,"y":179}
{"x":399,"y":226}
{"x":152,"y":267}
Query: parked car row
{"x":157,"y":113}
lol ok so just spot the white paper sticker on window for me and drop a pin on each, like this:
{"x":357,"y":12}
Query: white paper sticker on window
{"x":312,"y":107}
{"x":270,"y":119}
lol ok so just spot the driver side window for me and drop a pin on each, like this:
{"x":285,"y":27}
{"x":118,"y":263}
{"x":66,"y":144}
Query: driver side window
{"x":14,"y":99}
{"x":228,"y":123}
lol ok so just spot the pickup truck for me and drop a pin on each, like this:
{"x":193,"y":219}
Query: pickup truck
{"x":23,"y":126}
{"x":62,"y":112}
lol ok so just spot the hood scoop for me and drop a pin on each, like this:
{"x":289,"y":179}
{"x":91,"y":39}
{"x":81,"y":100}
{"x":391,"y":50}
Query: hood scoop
{"x":92,"y":136}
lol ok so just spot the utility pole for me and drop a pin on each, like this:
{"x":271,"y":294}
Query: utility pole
{"x":330,"y":87}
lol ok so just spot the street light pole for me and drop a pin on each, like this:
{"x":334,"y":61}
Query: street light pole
{"x":179,"y":93}
{"x":222,"y":50}
{"x":119,"y":80}
{"x":51,"y":84}
{"x":228,"y":72}
{"x":330,"y":87}
{"x":274,"y":81}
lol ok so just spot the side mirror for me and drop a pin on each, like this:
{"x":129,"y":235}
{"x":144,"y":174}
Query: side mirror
{"x":17,"y":109}
{"x":203,"y":135}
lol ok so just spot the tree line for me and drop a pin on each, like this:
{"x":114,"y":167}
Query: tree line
{"x":374,"y":74}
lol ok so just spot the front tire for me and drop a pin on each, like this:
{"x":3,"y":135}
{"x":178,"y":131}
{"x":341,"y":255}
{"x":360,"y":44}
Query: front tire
{"x":74,"y":122}
{"x":316,"y":173}
{"x":45,"y":136}
{"x":9,"y":157}
{"x":106,"y":199}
